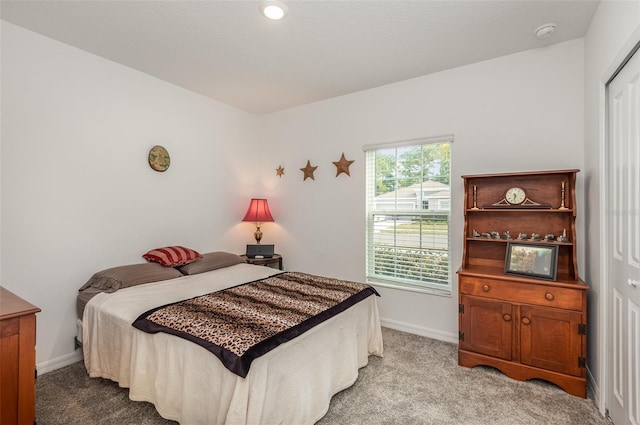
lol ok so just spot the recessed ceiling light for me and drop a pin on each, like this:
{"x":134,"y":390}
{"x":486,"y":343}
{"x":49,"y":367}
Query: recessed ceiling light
{"x":545,"y":31}
{"x":273,"y":9}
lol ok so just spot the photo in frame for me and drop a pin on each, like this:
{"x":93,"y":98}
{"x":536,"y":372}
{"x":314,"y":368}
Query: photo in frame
{"x":538,"y":261}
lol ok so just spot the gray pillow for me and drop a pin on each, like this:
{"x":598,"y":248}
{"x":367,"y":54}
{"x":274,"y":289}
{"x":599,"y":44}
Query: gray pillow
{"x":110,"y":280}
{"x":211,"y":261}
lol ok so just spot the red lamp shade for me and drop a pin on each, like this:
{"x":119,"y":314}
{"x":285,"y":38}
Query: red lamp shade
{"x":258,"y":211}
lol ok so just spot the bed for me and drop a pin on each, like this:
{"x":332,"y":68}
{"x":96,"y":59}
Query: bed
{"x":291,"y":384}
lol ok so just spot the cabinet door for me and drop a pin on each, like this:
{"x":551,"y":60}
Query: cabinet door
{"x":549,"y":339}
{"x":486,"y":326}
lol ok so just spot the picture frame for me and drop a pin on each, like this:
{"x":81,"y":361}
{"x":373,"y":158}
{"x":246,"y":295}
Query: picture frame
{"x":539,"y":261}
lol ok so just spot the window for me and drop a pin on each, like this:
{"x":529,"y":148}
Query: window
{"x":408,"y":214}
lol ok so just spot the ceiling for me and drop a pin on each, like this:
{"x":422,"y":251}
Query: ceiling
{"x":227,"y":51}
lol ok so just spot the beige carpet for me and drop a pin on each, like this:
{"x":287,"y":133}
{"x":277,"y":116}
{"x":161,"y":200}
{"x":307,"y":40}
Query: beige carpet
{"x":417,"y":382}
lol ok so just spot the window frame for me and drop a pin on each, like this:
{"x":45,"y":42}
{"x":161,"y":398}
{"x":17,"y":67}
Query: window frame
{"x":370,"y":181}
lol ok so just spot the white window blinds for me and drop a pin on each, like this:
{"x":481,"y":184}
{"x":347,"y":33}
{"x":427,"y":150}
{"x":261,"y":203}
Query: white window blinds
{"x":408,"y":213}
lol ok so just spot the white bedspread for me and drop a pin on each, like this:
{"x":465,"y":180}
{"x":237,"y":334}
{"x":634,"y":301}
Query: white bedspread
{"x":292,"y":384}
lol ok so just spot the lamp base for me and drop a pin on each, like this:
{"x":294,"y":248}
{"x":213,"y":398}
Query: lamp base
{"x":257,"y":234}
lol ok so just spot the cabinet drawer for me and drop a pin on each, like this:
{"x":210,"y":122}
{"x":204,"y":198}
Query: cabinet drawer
{"x":528,"y":293}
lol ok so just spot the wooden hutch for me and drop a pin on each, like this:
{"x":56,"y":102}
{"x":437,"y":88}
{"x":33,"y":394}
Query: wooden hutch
{"x":524,"y":326}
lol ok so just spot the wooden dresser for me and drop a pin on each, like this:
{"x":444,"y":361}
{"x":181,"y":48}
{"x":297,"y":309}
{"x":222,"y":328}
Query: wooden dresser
{"x":17,"y":359}
{"x":524,"y":325}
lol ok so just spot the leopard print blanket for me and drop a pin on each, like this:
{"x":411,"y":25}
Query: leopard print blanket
{"x":242,"y":323}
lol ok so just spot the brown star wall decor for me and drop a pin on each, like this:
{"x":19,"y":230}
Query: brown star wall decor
{"x":343,"y":165}
{"x":308,"y":171}
{"x":279,"y":171}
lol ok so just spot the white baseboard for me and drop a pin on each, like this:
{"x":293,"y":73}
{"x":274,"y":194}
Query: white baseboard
{"x":593,"y":391}
{"x":420,"y":330}
{"x":59,"y":362}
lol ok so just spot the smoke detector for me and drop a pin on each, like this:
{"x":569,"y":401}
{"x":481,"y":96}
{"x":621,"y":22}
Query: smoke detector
{"x":545,"y":31}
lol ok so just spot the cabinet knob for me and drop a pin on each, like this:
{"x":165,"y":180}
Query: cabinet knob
{"x":486,"y":287}
{"x":549,"y":296}
{"x":525,"y":320}
{"x":507,"y":317}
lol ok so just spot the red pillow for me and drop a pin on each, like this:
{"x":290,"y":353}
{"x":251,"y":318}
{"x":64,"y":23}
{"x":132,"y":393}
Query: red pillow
{"x":172,"y":256}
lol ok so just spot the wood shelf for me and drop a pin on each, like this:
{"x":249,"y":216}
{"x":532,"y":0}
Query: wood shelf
{"x":526,"y":327}
{"x":522,"y":210}
{"x":497,"y":273}
{"x":518,"y":240}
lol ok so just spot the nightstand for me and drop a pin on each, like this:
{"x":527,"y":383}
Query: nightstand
{"x":274,"y":262}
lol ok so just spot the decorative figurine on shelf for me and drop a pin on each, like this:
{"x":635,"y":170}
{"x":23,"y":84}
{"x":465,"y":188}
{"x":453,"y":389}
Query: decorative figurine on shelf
{"x":486,"y":235}
{"x":522,"y":236}
{"x":549,"y":237}
{"x":563,"y":238}
{"x":506,"y":235}
{"x":476,"y":234}
{"x":495,"y":235}
{"x":535,"y":237}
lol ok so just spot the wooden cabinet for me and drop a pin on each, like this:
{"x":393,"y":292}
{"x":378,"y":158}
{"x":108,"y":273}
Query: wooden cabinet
{"x":524,"y":326}
{"x":17,"y":359}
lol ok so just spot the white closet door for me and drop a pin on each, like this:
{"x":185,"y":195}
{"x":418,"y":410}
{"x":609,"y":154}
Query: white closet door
{"x":623,"y":226}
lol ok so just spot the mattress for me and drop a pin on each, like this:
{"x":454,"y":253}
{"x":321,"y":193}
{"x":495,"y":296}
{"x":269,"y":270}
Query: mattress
{"x":293,"y":383}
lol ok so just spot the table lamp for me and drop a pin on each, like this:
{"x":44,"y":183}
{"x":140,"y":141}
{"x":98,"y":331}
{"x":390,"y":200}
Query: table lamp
{"x":259,"y":213}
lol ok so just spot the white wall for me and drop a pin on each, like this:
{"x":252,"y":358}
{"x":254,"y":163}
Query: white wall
{"x":77,"y":195}
{"x":515,"y":113}
{"x":614,"y":26}
{"x":77,"y":192}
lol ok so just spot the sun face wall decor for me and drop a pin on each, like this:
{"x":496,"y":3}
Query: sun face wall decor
{"x":159,"y":159}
